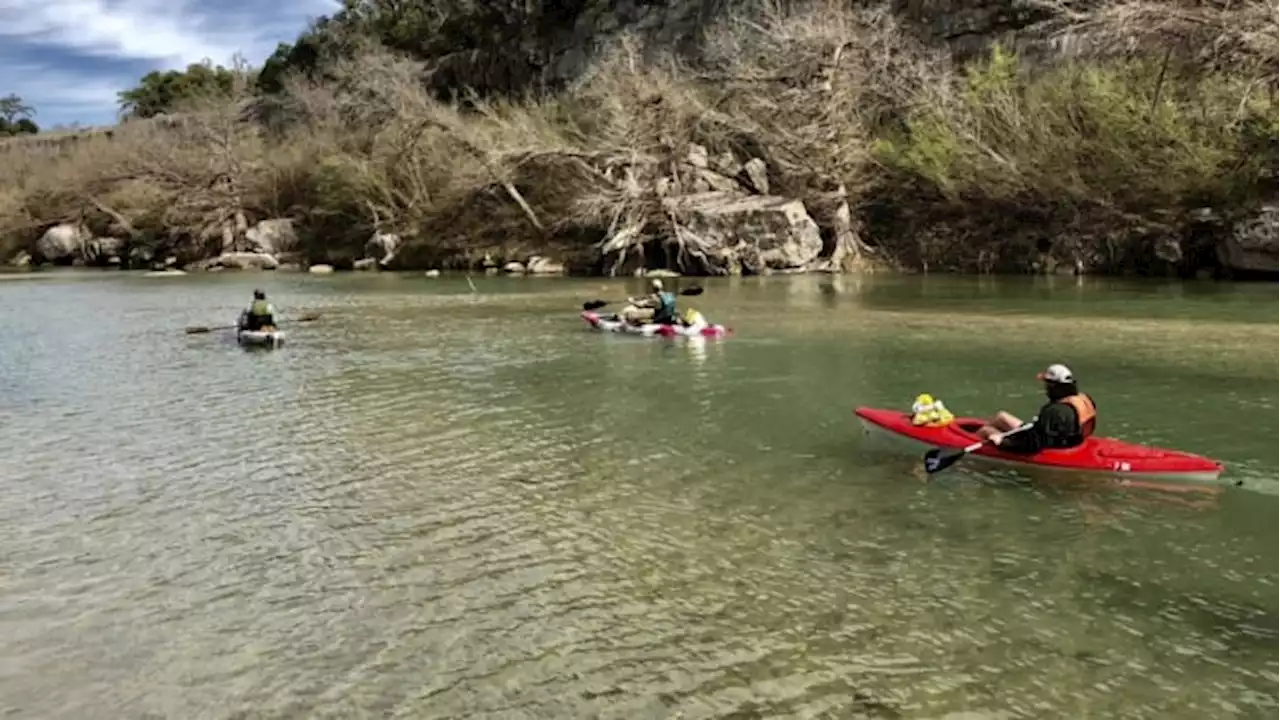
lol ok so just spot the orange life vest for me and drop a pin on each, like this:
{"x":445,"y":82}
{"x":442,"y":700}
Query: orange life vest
{"x":1086,"y":413}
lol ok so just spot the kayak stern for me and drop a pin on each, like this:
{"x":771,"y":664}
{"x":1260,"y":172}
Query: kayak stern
{"x":260,"y":338}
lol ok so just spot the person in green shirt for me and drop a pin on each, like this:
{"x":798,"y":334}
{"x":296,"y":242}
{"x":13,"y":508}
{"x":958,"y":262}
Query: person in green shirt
{"x":658,"y":306}
{"x":259,"y":314}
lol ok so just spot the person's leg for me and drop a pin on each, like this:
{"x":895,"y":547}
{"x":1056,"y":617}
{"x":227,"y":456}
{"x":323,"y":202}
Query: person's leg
{"x":636,"y":315}
{"x":1003,"y":422}
{"x":1007,"y":422}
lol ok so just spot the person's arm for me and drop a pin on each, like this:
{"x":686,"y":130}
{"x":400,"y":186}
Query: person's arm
{"x":1053,"y":426}
{"x":1027,"y":441}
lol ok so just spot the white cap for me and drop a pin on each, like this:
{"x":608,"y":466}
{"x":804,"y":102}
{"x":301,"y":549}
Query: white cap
{"x":1057,"y":374}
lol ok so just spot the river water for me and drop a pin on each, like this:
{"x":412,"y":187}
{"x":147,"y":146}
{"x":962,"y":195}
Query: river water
{"x":435,"y":502}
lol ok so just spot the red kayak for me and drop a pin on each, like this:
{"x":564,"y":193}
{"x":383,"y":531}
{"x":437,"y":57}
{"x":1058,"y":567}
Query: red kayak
{"x":1096,"y":455}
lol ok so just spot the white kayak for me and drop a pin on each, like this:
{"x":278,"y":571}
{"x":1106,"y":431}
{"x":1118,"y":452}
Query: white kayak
{"x":611,"y":323}
{"x":267,"y":337}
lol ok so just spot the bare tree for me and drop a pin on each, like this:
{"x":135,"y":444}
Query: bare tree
{"x":12,"y":109}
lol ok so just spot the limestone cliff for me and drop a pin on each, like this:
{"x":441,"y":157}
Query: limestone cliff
{"x":559,"y":47}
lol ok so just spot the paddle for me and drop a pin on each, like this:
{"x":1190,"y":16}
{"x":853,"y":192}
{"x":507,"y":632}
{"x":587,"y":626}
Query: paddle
{"x":936,"y":461}
{"x":202,"y":329}
{"x":597,"y":304}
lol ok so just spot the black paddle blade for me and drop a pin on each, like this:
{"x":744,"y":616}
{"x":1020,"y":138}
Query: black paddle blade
{"x":691,"y":291}
{"x":936,"y":460}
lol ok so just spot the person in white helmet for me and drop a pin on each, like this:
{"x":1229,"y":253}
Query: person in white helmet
{"x":658,"y":306}
{"x":1066,"y":421}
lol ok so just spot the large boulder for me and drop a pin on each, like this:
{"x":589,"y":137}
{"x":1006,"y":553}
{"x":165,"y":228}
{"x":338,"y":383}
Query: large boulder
{"x":1252,"y":244}
{"x":743,"y":233}
{"x":61,"y":244}
{"x":244,"y":261}
{"x":539,"y":265}
{"x":273,"y":237}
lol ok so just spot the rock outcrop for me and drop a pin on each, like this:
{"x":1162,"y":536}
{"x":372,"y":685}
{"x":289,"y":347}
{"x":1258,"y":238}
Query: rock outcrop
{"x":1253,"y":245}
{"x":716,"y":215}
{"x":272,"y":237}
{"x":69,"y":244}
{"x":737,"y":233}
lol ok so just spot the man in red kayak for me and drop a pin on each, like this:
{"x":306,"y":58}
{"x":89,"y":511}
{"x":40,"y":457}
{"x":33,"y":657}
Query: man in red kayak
{"x":1064,"y":422}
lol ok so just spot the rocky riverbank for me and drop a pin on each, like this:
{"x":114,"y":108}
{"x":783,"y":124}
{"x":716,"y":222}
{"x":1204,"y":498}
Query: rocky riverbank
{"x":824,"y":139}
{"x":723,"y":222}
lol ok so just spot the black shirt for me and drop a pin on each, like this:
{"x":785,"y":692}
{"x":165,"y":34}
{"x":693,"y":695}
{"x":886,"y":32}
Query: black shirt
{"x":1056,"y":427}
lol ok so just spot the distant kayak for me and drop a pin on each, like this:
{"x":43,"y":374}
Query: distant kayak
{"x":611,"y":323}
{"x":1097,"y":454}
{"x":267,"y":337}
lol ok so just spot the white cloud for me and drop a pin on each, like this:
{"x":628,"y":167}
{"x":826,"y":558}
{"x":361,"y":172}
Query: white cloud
{"x":134,"y":30}
{"x":48,"y":47}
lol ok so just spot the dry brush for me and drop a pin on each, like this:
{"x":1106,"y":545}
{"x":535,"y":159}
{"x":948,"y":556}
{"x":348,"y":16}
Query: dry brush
{"x":1162,"y":112}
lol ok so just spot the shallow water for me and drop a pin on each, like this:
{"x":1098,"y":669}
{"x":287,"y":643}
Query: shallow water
{"x":439,"y":503}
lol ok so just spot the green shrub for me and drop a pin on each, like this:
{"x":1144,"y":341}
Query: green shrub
{"x":1132,"y":135}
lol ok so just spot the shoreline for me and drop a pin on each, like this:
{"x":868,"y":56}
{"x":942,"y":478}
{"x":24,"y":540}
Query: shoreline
{"x":37,"y":271}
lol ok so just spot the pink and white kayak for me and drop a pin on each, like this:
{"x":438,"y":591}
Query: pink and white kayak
{"x":1097,"y":455}
{"x":611,"y":323}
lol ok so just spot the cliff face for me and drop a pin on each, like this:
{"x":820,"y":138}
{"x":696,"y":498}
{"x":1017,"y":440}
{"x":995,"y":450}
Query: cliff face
{"x":968,"y":26}
{"x":562,"y":45}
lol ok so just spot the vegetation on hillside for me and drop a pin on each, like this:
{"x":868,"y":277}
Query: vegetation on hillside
{"x":165,"y":92}
{"x":1097,"y":156}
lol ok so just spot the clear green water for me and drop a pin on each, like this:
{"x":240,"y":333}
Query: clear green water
{"x":438,"y":503}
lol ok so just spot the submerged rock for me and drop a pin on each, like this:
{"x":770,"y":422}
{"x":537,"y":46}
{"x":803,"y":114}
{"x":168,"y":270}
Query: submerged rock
{"x":320,"y":269}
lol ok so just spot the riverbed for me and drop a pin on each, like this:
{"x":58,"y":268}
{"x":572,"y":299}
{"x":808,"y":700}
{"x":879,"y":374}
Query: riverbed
{"x":445,"y":501}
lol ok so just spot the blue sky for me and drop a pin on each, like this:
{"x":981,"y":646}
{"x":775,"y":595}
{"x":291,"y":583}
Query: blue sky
{"x":69,"y":58}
